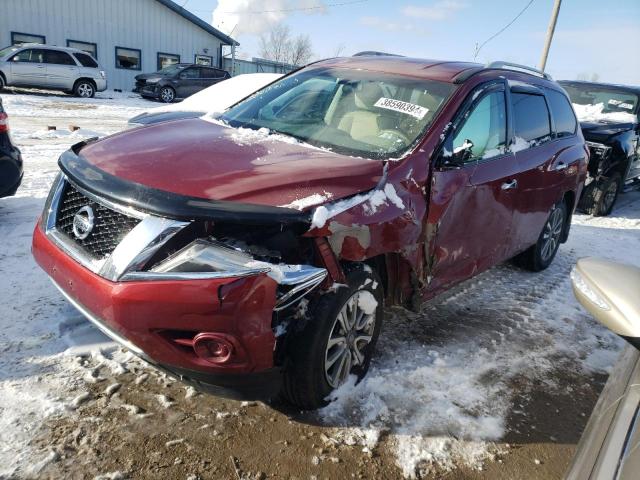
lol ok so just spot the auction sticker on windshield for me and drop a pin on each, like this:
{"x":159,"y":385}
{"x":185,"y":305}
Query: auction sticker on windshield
{"x":403,"y":107}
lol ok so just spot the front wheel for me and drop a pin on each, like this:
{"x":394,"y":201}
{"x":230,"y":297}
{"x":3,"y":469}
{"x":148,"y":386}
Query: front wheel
{"x":539,"y":256}
{"x":604,"y":195}
{"x":338,"y":340}
{"x":84,"y":89}
{"x":167,"y":94}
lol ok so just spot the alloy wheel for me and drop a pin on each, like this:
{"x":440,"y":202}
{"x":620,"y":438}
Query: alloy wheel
{"x":352,"y":331}
{"x":85,"y":90}
{"x":551,"y":234}
{"x":167,"y":95}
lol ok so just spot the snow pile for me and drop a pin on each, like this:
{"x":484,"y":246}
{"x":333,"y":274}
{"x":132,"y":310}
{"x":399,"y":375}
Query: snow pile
{"x":594,"y":113}
{"x":311,"y":200}
{"x":370,"y":201}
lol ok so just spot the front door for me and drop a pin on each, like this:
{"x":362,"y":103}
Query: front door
{"x":471,"y":205}
{"x":28,"y":67}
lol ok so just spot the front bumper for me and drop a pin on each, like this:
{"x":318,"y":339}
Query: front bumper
{"x":148,"y":318}
{"x":149,"y":91}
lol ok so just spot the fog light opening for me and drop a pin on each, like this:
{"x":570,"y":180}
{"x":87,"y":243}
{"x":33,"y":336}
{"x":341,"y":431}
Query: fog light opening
{"x":212,"y":348}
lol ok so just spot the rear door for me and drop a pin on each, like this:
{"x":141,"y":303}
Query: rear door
{"x":211,"y":76}
{"x":471,"y":205}
{"x":28,"y":68}
{"x":547,"y":161}
{"x":189,"y":82}
{"x":62,"y":70}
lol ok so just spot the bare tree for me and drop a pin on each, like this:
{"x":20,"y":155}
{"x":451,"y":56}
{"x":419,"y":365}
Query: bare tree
{"x":280,"y":46}
{"x":339,"y":50}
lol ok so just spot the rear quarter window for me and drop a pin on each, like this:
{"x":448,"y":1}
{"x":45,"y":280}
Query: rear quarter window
{"x":86,"y":60}
{"x":531,"y":117}
{"x":563,"y":116}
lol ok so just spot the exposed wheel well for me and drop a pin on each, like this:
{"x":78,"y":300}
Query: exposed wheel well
{"x":90,"y":80}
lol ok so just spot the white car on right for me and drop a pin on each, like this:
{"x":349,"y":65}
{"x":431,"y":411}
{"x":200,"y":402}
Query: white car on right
{"x":216,"y":98}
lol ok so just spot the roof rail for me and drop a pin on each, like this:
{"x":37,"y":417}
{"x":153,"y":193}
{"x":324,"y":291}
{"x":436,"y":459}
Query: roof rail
{"x":373,"y":53}
{"x":519,"y":68}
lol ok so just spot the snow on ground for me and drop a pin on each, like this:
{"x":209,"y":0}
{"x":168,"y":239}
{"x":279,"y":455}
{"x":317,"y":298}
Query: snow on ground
{"x":440,"y":385}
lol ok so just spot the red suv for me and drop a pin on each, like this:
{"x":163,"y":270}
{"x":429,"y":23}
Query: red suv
{"x":251,"y":252}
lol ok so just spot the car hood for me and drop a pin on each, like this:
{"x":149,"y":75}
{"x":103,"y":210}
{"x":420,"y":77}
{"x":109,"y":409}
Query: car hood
{"x":151,"y":117}
{"x":604,"y":131}
{"x":199,"y":158}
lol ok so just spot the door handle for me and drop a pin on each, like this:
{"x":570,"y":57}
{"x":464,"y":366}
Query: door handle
{"x":510,"y":185}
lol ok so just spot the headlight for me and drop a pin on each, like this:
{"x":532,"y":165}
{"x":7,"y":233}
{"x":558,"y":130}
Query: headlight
{"x":153,"y":80}
{"x":581,"y":285}
{"x":204,"y":256}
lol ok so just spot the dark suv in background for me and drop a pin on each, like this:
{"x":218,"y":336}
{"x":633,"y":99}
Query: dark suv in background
{"x":178,"y":81}
{"x":608,"y":116}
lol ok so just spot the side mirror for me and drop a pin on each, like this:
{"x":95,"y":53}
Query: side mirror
{"x":609,"y":291}
{"x":458,"y":157}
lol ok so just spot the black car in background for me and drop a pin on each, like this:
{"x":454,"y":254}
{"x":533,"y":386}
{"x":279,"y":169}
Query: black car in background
{"x":178,"y":81}
{"x":10,"y":159}
{"x":609,"y":117}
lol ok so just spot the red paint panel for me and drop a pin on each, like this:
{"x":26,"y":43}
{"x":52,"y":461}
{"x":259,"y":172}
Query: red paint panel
{"x":200,"y":159}
{"x":138,"y":310}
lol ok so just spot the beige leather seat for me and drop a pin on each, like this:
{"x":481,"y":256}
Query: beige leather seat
{"x":363,"y":122}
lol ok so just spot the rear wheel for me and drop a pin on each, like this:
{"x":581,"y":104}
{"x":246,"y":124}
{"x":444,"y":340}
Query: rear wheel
{"x":167,"y":94}
{"x":604,"y":195}
{"x":2,"y":82}
{"x":84,"y":89}
{"x":539,"y":256}
{"x":337,"y":341}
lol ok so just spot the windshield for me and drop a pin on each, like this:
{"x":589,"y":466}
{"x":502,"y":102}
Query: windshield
{"x":7,"y":51}
{"x":172,"y":69}
{"x":353,"y":112}
{"x":594,"y":103}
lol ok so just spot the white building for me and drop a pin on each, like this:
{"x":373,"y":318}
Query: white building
{"x":127,"y":37}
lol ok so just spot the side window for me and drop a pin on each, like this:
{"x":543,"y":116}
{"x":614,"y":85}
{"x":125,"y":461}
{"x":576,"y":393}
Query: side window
{"x":484,"y":130}
{"x":212,"y":73}
{"x":565,"y":120}
{"x":86,"y":60}
{"x":58,"y":58}
{"x":190,"y":73}
{"x":128,"y":58}
{"x":530,"y":119}
{"x":31,"y":55}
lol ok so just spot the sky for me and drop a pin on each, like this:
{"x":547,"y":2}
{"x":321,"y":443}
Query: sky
{"x":593,"y":39}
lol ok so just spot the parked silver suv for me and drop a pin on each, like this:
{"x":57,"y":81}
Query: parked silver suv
{"x":57,"y":68}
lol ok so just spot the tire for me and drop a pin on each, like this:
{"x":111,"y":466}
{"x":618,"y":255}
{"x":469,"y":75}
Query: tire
{"x":167,"y":95}
{"x":309,"y":374}
{"x":603,"y":195}
{"x":84,"y":89}
{"x":539,"y":256}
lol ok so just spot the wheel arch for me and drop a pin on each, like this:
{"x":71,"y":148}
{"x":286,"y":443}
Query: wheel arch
{"x":87,"y":79}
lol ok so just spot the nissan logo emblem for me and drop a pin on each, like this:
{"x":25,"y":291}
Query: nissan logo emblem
{"x":83,"y":222}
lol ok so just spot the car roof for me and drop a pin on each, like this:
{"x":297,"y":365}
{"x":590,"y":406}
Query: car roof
{"x":440,"y":70}
{"x":50,"y":47}
{"x":615,"y":86}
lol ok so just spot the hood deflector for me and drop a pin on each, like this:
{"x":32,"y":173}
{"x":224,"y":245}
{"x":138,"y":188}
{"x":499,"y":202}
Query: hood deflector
{"x":168,"y":204}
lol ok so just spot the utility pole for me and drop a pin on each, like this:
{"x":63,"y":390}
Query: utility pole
{"x":550,"y":29}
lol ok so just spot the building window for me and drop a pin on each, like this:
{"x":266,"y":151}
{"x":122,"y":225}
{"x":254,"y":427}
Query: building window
{"x":205,"y":60}
{"x":18,"y":38}
{"x":128,"y":58}
{"x":167,"y":59}
{"x":90,"y":48}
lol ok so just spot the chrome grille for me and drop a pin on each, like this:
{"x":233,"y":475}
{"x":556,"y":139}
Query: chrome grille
{"x":110,"y":226}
